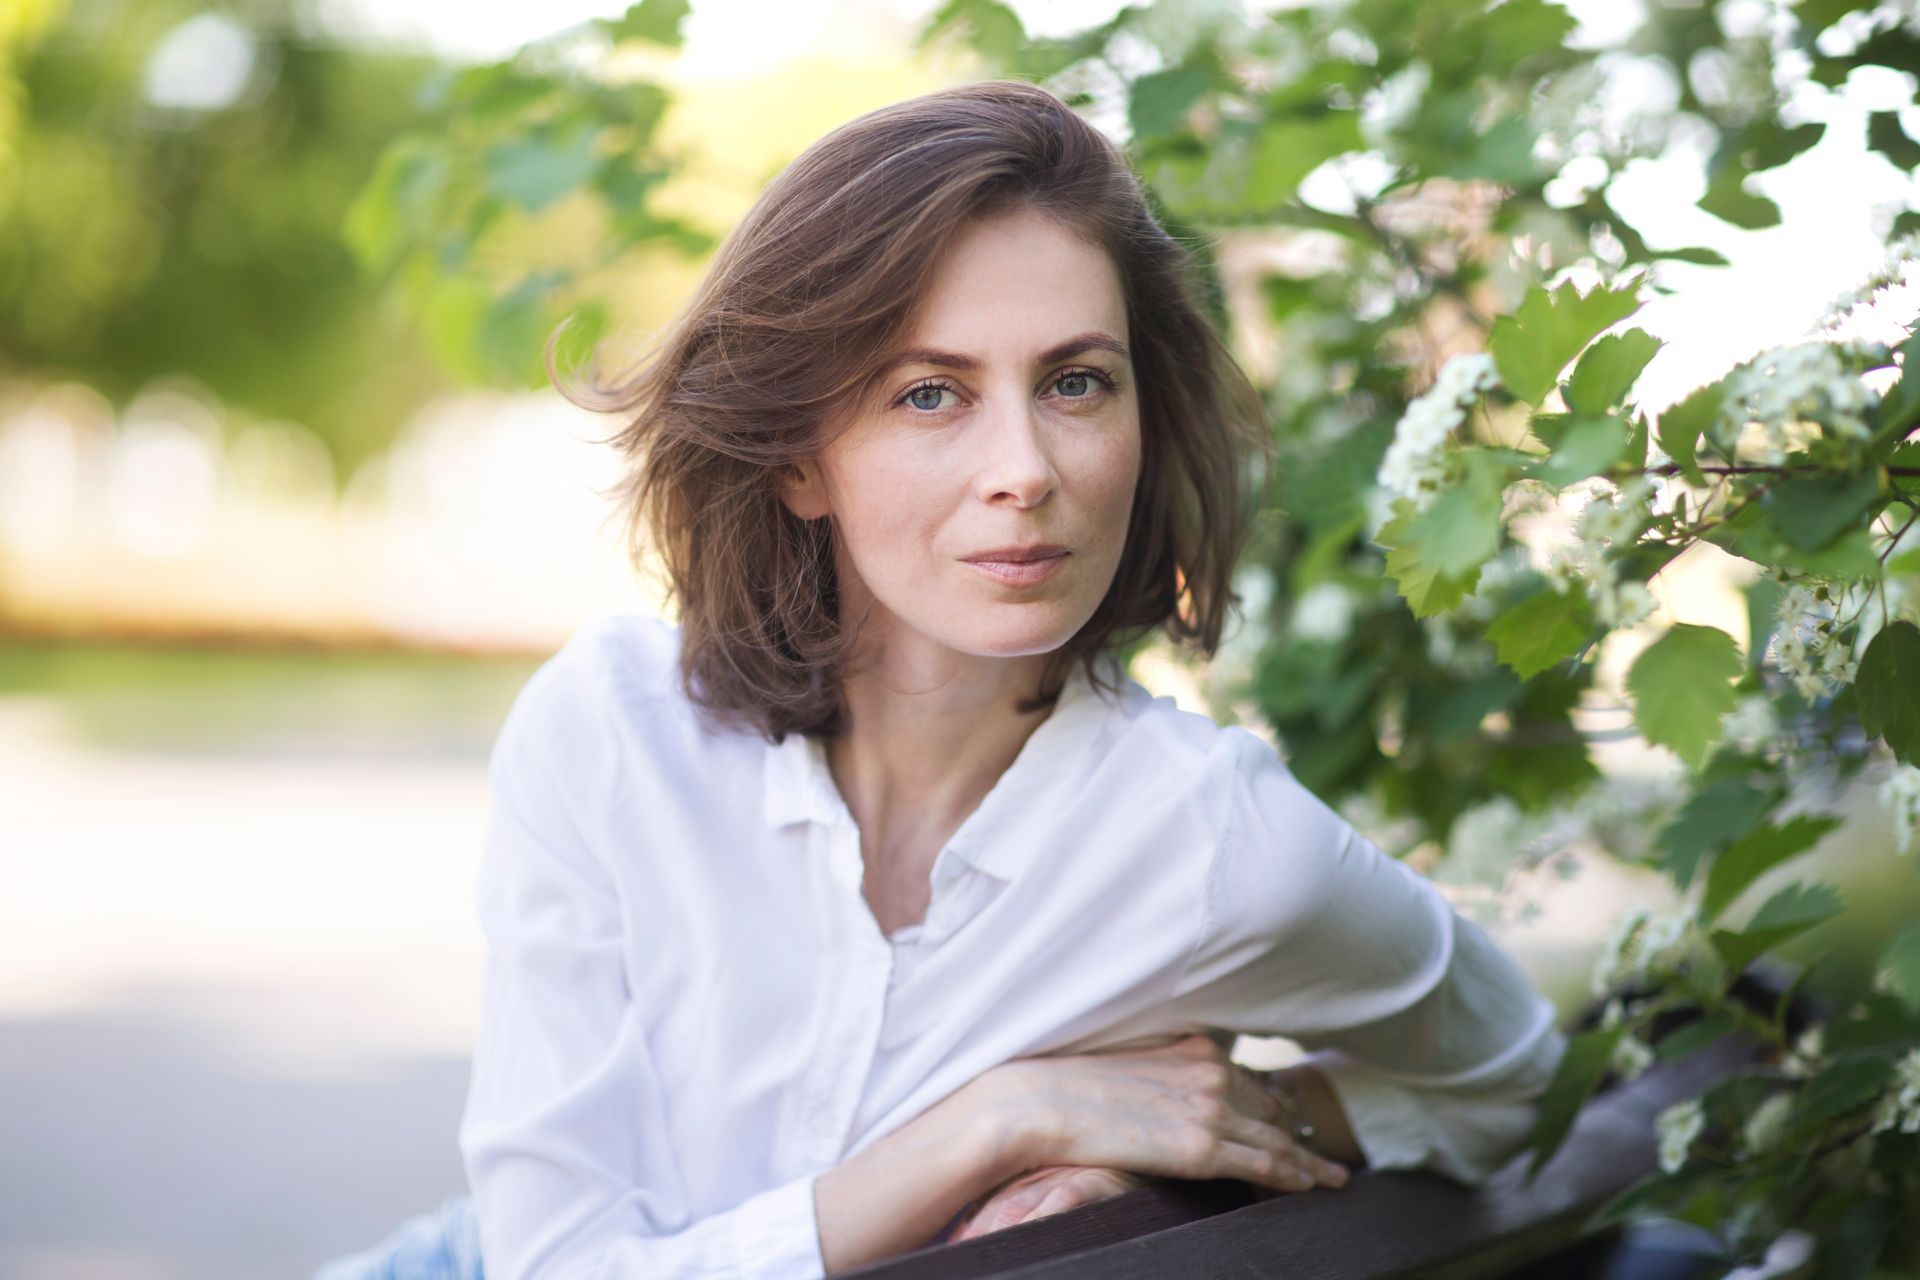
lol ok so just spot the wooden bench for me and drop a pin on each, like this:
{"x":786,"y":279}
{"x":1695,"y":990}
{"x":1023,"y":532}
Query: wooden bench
{"x":1389,"y":1224}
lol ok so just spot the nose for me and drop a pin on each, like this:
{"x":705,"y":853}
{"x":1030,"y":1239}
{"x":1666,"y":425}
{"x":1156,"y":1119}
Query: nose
{"x":1016,"y":466}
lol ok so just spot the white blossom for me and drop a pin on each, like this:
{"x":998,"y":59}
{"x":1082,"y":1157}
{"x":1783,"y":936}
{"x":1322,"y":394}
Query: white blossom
{"x":1807,"y":1056}
{"x":1764,"y":1127}
{"x":1811,"y":614}
{"x":1631,"y":1057}
{"x":1482,"y":843}
{"x":1900,"y":793}
{"x":1677,"y":1127}
{"x":1415,"y":465}
{"x":1323,"y":612}
{"x":1900,"y":1105}
{"x":1641,"y":945}
{"x":1901,"y":253}
{"x":1804,"y":382}
{"x":1752,"y":724}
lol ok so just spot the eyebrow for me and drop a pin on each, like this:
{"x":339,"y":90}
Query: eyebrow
{"x":1074,"y":346}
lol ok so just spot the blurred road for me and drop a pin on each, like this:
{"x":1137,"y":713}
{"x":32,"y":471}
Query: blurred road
{"x":236,"y":996}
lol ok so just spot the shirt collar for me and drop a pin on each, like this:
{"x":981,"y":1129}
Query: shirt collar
{"x":799,"y":786}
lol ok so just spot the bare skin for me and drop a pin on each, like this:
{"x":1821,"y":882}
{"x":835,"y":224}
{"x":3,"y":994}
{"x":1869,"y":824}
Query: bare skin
{"x":1180,"y":1110}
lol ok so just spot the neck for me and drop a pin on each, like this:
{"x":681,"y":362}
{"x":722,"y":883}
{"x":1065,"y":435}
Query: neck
{"x":929,"y":736}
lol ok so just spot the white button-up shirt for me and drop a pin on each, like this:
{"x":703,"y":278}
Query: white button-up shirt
{"x":690,"y":1012}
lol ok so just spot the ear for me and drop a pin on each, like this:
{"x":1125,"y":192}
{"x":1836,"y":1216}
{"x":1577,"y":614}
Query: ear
{"x":800,"y":488}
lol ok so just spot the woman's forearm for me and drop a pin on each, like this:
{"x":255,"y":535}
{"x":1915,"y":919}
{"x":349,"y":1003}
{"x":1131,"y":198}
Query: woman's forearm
{"x":894,"y":1195}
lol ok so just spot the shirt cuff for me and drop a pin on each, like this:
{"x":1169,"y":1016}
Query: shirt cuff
{"x":778,"y":1235}
{"x":1389,"y":1121}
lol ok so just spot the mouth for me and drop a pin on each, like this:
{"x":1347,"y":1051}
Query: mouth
{"x":1020,"y":566}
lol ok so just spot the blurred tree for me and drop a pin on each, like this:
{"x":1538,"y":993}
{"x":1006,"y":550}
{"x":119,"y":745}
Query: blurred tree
{"x":172,"y":182}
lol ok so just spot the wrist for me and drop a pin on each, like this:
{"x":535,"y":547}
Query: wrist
{"x":1009,"y":1123}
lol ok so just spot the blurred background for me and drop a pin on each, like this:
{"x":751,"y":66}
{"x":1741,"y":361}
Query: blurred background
{"x":272,"y":570}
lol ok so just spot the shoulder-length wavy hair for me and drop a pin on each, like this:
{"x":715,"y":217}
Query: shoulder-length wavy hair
{"x":796,"y":317}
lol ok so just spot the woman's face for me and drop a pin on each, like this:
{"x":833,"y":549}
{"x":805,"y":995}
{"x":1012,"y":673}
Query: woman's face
{"x":1011,"y":422}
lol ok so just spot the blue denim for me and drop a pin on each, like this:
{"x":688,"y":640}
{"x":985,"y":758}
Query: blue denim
{"x":441,"y":1245}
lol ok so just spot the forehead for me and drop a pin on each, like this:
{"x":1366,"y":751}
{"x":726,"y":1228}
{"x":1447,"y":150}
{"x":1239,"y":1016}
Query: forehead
{"x":1012,"y":286}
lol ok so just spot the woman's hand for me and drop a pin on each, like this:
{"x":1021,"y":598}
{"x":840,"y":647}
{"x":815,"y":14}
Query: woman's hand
{"x":1180,"y":1110}
{"x":1040,"y":1193}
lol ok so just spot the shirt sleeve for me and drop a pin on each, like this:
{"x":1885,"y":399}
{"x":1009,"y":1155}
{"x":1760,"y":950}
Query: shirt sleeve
{"x":1435,"y":1042}
{"x":563,"y":1130}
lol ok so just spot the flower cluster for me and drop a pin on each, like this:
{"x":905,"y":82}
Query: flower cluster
{"x":1641,"y":945}
{"x":1415,"y":465}
{"x":1900,"y":793}
{"x":1811,"y":615}
{"x":1805,"y":382}
{"x":1900,"y":1106}
{"x":1901,"y":253}
{"x":1752,"y":724}
{"x":1677,"y":1127}
{"x":1607,"y":522}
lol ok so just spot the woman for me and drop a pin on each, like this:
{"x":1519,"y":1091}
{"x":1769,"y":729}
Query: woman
{"x":872,"y":903}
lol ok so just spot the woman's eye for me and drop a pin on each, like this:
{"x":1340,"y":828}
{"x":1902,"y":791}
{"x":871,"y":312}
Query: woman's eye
{"x":1082,"y":384}
{"x":926,"y":398}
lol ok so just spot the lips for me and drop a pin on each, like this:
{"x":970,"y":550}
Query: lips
{"x":1019,"y":555}
{"x":1020,"y":566}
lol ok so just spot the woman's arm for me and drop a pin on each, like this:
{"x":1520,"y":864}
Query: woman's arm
{"x":895,"y":1194}
{"x":1432,"y":1044}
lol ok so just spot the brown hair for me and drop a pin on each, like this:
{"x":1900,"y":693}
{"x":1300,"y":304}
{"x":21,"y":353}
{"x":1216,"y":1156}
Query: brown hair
{"x":798,"y":312}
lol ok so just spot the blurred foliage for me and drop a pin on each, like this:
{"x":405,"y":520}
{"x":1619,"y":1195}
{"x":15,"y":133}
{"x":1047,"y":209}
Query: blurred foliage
{"x":237,"y":701}
{"x":139,"y":239}
{"x":1432,"y":178}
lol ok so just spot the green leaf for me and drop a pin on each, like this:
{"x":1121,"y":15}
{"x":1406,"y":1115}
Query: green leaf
{"x":1697,"y":1034}
{"x":1682,"y":423}
{"x":1426,"y":590}
{"x":1811,"y":511}
{"x":1541,"y":630}
{"x":1885,"y":135}
{"x":1763,"y":615}
{"x":1586,"y":448}
{"x":1582,"y":1067}
{"x":1900,"y":407}
{"x":1695,"y":253}
{"x":1728,"y":199}
{"x":1755,"y":855}
{"x":1901,"y":960}
{"x":656,"y":21}
{"x":1606,"y":372}
{"x":1460,"y":530}
{"x":988,"y":27}
{"x":1787,"y":914}
{"x":1750,"y":534}
{"x":1681,"y":685}
{"x":1848,"y":1084}
{"x":1719,"y":813}
{"x":1288,"y":149}
{"x":1158,"y":101}
{"x":1531,"y":346}
{"x":539,"y":169}
{"x":1889,"y":689}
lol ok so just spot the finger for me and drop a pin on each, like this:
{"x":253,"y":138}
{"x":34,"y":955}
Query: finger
{"x":1286,"y":1155}
{"x":1059,"y":1200}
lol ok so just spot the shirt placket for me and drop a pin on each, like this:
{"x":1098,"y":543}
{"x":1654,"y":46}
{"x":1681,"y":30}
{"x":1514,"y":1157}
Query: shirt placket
{"x":860,"y":978}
